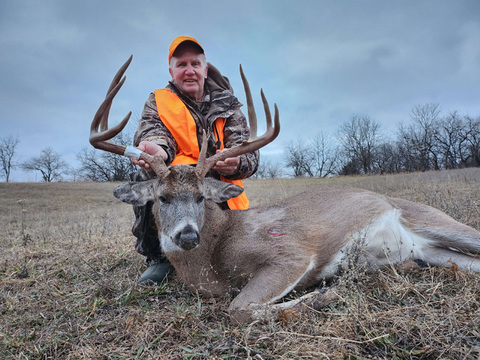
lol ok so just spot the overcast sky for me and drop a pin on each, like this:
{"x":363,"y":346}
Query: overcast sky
{"x":320,"y":61}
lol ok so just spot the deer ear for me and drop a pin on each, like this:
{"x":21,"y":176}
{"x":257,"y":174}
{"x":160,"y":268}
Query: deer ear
{"x":220,"y":191}
{"x":135,"y":193}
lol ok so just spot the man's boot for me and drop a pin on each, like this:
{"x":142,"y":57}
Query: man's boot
{"x":156,"y":273}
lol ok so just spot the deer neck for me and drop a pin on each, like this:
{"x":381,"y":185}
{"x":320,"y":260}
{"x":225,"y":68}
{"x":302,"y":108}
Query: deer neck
{"x":200,"y":268}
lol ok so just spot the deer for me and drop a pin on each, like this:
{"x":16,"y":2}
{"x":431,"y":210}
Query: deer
{"x":262,"y":254}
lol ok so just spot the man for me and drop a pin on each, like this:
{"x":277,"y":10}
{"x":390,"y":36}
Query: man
{"x":197,"y":98}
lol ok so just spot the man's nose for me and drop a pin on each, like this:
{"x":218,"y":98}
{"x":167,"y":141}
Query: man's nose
{"x":190,"y":69}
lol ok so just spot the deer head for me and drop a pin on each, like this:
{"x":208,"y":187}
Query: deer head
{"x":180,"y":193}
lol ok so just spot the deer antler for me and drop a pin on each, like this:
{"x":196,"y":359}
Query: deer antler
{"x":253,"y":143}
{"x":101,"y":140}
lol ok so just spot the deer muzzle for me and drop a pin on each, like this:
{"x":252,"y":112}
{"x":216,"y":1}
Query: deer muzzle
{"x":188,"y":238}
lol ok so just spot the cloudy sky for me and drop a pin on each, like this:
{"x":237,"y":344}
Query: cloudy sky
{"x":320,"y":61}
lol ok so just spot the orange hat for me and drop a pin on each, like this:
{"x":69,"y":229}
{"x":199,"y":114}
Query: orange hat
{"x":179,"y":40}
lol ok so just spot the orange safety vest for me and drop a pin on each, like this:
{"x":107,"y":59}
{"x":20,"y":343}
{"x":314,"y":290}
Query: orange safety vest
{"x":178,"y":120}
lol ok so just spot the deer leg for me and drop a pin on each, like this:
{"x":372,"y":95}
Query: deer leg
{"x":266,"y":287}
{"x":447,"y":257}
{"x":316,"y":299}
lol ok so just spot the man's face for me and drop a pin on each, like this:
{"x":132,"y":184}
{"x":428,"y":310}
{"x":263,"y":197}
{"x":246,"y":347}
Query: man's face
{"x":188,"y":71}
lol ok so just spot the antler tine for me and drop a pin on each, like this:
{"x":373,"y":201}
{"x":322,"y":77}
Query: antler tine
{"x":115,"y":81}
{"x":254,"y":142}
{"x":202,"y":157}
{"x":119,"y":74}
{"x":252,"y":116}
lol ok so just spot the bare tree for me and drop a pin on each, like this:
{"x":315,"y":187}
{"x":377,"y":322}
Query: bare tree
{"x":450,"y":139}
{"x":273,"y":171}
{"x":49,"y":163}
{"x":419,"y":138}
{"x":388,"y":159}
{"x":8,"y":145}
{"x":268,"y":170}
{"x":408,"y":154}
{"x":315,"y":158}
{"x":359,"y":138}
{"x":324,"y":155}
{"x":472,"y":138}
{"x":104,"y":166}
{"x":299,"y":158}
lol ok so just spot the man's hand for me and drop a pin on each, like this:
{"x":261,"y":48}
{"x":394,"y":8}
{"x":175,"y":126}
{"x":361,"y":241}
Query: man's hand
{"x":228,"y":166}
{"x":151,"y":149}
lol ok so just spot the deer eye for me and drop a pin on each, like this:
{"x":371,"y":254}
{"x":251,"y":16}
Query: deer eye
{"x":163,"y":200}
{"x":200,"y":199}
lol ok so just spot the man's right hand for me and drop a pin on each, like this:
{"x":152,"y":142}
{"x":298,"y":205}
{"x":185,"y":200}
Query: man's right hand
{"x":151,"y":149}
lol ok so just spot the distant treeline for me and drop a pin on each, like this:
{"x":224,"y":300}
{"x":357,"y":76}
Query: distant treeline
{"x":430,"y":141}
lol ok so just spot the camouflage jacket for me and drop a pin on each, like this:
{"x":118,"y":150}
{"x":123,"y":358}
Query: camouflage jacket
{"x":219,"y":101}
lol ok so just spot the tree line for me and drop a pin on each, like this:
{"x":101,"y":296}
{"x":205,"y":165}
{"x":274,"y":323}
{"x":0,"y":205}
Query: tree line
{"x":430,"y":141}
{"x":95,"y":165}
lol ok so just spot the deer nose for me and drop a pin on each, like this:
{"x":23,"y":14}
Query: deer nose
{"x":188,"y":238}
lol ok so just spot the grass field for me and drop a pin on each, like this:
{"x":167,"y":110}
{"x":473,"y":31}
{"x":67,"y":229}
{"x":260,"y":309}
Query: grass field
{"x":68,"y":290}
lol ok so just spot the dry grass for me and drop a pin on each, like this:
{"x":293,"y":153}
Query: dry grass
{"x":68,"y":289}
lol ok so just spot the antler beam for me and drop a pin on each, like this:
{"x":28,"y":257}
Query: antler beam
{"x":101,"y":140}
{"x":253,"y":143}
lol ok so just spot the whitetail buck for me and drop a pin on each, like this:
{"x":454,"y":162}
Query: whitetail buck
{"x":262,"y":254}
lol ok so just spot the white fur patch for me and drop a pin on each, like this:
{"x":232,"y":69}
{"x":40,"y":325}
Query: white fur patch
{"x":166,"y":240}
{"x":168,"y":245}
{"x":384,"y":241}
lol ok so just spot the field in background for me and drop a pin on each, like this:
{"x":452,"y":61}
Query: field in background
{"x":68,"y":290}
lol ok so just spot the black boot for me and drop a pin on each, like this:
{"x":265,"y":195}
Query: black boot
{"x":156,"y":273}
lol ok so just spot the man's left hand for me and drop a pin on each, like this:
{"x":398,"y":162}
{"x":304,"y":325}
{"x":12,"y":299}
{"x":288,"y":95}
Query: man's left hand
{"x":228,"y":166}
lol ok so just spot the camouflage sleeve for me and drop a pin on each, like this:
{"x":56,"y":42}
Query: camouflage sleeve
{"x":151,"y":128}
{"x":235,"y":132}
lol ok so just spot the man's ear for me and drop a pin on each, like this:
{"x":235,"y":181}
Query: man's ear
{"x":136,"y":193}
{"x":220,"y":191}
